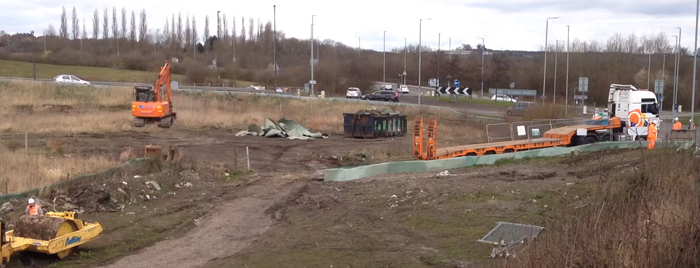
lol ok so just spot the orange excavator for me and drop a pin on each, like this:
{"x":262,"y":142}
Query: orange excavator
{"x":154,"y":104}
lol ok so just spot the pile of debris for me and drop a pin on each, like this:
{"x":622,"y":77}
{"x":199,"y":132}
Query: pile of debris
{"x":385,"y":111}
{"x":284,"y":128}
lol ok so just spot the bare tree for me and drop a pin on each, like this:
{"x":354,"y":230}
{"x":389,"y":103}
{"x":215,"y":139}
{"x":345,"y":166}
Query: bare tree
{"x":173,"y":30}
{"x":123,"y":33}
{"x":115,"y":25}
{"x":243,"y":40}
{"x":95,"y":24}
{"x":63,"y":30}
{"x":84,"y":35}
{"x":166,"y":31}
{"x":50,"y":31}
{"x":194,"y":31}
{"x":132,"y":29}
{"x":225,"y":37}
{"x":188,"y":32}
{"x":251,"y":26}
{"x":206,"y":29}
{"x":179,"y":30}
{"x":143,"y":26}
{"x":76,"y":25}
{"x":105,"y":24}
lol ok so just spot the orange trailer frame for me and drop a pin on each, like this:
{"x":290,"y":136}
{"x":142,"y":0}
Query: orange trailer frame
{"x":561,"y":136}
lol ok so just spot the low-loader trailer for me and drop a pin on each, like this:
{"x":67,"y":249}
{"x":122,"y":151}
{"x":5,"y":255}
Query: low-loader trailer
{"x":630,"y":111}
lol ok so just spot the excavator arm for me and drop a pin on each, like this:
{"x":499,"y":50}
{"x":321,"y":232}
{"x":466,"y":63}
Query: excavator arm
{"x":163,"y":80}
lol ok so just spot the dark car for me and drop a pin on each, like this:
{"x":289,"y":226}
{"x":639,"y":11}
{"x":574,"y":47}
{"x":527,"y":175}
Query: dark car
{"x":383,"y":95}
{"x":519,"y":108}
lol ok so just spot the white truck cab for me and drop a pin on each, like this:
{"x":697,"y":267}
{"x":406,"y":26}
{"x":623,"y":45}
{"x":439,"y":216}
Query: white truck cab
{"x":636,"y":109}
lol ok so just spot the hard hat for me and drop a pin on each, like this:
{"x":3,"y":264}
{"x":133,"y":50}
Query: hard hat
{"x":675,"y":119}
{"x":31,"y":201}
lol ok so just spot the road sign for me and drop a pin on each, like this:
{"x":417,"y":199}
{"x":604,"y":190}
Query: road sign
{"x":313,"y":82}
{"x":404,"y":73}
{"x":580,"y":97}
{"x":454,"y":90}
{"x":659,"y":86}
{"x":433,"y":82}
{"x":583,"y":84}
{"x":456,"y":83}
{"x":306,"y":87}
{"x":661,"y":97}
{"x":313,"y":62}
{"x":512,"y":85}
{"x":543,"y":97}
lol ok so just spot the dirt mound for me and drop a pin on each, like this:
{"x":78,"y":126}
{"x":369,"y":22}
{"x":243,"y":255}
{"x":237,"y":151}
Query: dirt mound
{"x":37,"y":227}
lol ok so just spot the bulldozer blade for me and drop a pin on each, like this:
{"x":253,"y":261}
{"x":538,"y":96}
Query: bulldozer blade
{"x":126,"y":154}
{"x":153,"y":151}
{"x":173,"y":154}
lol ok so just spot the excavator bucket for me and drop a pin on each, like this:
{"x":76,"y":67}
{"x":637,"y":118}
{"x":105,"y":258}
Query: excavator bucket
{"x":127,"y":154}
{"x":173,"y":154}
{"x":153,"y":151}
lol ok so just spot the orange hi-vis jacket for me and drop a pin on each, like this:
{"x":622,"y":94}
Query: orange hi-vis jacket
{"x":677,"y":125}
{"x":652,"y":133}
{"x":33,"y":209}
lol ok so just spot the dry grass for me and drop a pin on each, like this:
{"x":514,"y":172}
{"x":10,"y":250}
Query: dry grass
{"x":644,"y":218}
{"x":46,"y":108}
{"x":546,"y":111}
{"x":22,"y":170}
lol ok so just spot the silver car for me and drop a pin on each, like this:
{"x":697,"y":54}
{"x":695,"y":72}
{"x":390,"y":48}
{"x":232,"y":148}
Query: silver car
{"x":67,"y":78}
{"x":353,"y":93}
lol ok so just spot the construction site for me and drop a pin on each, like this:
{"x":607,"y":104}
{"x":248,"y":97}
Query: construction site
{"x":150,"y":177}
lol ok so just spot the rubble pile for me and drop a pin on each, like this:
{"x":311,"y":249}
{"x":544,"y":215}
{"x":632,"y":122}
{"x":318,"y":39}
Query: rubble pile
{"x":284,"y":128}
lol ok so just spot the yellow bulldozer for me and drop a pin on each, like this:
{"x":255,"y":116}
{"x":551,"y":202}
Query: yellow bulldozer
{"x":55,"y":233}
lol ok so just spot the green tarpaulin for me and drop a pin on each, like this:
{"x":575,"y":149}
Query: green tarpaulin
{"x":284,"y":128}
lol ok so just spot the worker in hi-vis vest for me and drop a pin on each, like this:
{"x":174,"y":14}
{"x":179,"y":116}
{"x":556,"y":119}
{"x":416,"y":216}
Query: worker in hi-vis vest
{"x":677,"y":124}
{"x":651,"y":136}
{"x":33,"y":208}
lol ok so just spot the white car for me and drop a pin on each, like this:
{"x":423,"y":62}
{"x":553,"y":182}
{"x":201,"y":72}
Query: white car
{"x":386,"y":87}
{"x":255,"y":87}
{"x":502,"y":97}
{"x":67,"y":78}
{"x":404,"y":89}
{"x":353,"y":92}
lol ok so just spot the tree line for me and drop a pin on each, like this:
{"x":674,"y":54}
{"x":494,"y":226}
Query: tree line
{"x":243,"y":49}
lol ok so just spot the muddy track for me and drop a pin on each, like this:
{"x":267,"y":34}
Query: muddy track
{"x":228,"y":229}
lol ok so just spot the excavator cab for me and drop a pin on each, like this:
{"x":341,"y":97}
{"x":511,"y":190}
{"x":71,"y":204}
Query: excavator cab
{"x":144,"y":94}
{"x":152,"y":104}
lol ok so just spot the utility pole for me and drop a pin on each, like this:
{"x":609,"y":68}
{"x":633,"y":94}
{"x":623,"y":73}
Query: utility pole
{"x":544,"y":76}
{"x":420,"y":43}
{"x":274,"y":42}
{"x":566,"y":102}
{"x":449,"y":48}
{"x":678,"y":69}
{"x":556,"y":60}
{"x":482,"y":67}
{"x":359,"y":46}
{"x":384,"y":75}
{"x":438,"y":60}
{"x":218,"y":25}
{"x":695,"y":63}
{"x":312,"y":56}
{"x":675,"y":71}
{"x":405,"y":56}
{"x":34,"y":52}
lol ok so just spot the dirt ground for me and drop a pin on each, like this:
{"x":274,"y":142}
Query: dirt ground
{"x":210,"y":211}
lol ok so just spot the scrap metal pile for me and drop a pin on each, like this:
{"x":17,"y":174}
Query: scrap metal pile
{"x":284,"y":128}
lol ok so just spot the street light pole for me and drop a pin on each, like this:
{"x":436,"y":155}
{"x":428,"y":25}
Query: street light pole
{"x":566,"y":102}
{"x":274,"y":42}
{"x":675,"y":71}
{"x":359,"y":46}
{"x":649,"y":71}
{"x":420,"y":64}
{"x":556,"y":60}
{"x":482,"y":67}
{"x":384,"y":68}
{"x":311,"y":59}
{"x":438,"y":59}
{"x":449,"y":48}
{"x":695,"y":62}
{"x":544,"y":76}
{"x":678,"y":69}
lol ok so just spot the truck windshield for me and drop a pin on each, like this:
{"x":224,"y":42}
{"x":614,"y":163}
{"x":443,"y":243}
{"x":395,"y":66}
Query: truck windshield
{"x":650,"y":106}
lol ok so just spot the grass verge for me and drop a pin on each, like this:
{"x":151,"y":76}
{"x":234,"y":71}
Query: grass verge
{"x":47,"y":108}
{"x":24,"y":170}
{"x":462,"y":99}
{"x":48,"y":71}
{"x":644,"y":218}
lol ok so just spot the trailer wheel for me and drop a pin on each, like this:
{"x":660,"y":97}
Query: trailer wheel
{"x":590,"y":139}
{"x":509,"y":150}
{"x":489,"y":152}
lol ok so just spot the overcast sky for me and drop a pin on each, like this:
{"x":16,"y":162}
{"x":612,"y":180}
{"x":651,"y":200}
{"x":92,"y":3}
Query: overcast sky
{"x":505,"y":24}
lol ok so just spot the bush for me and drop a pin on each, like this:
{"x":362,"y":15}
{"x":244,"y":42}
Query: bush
{"x":643,"y":216}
